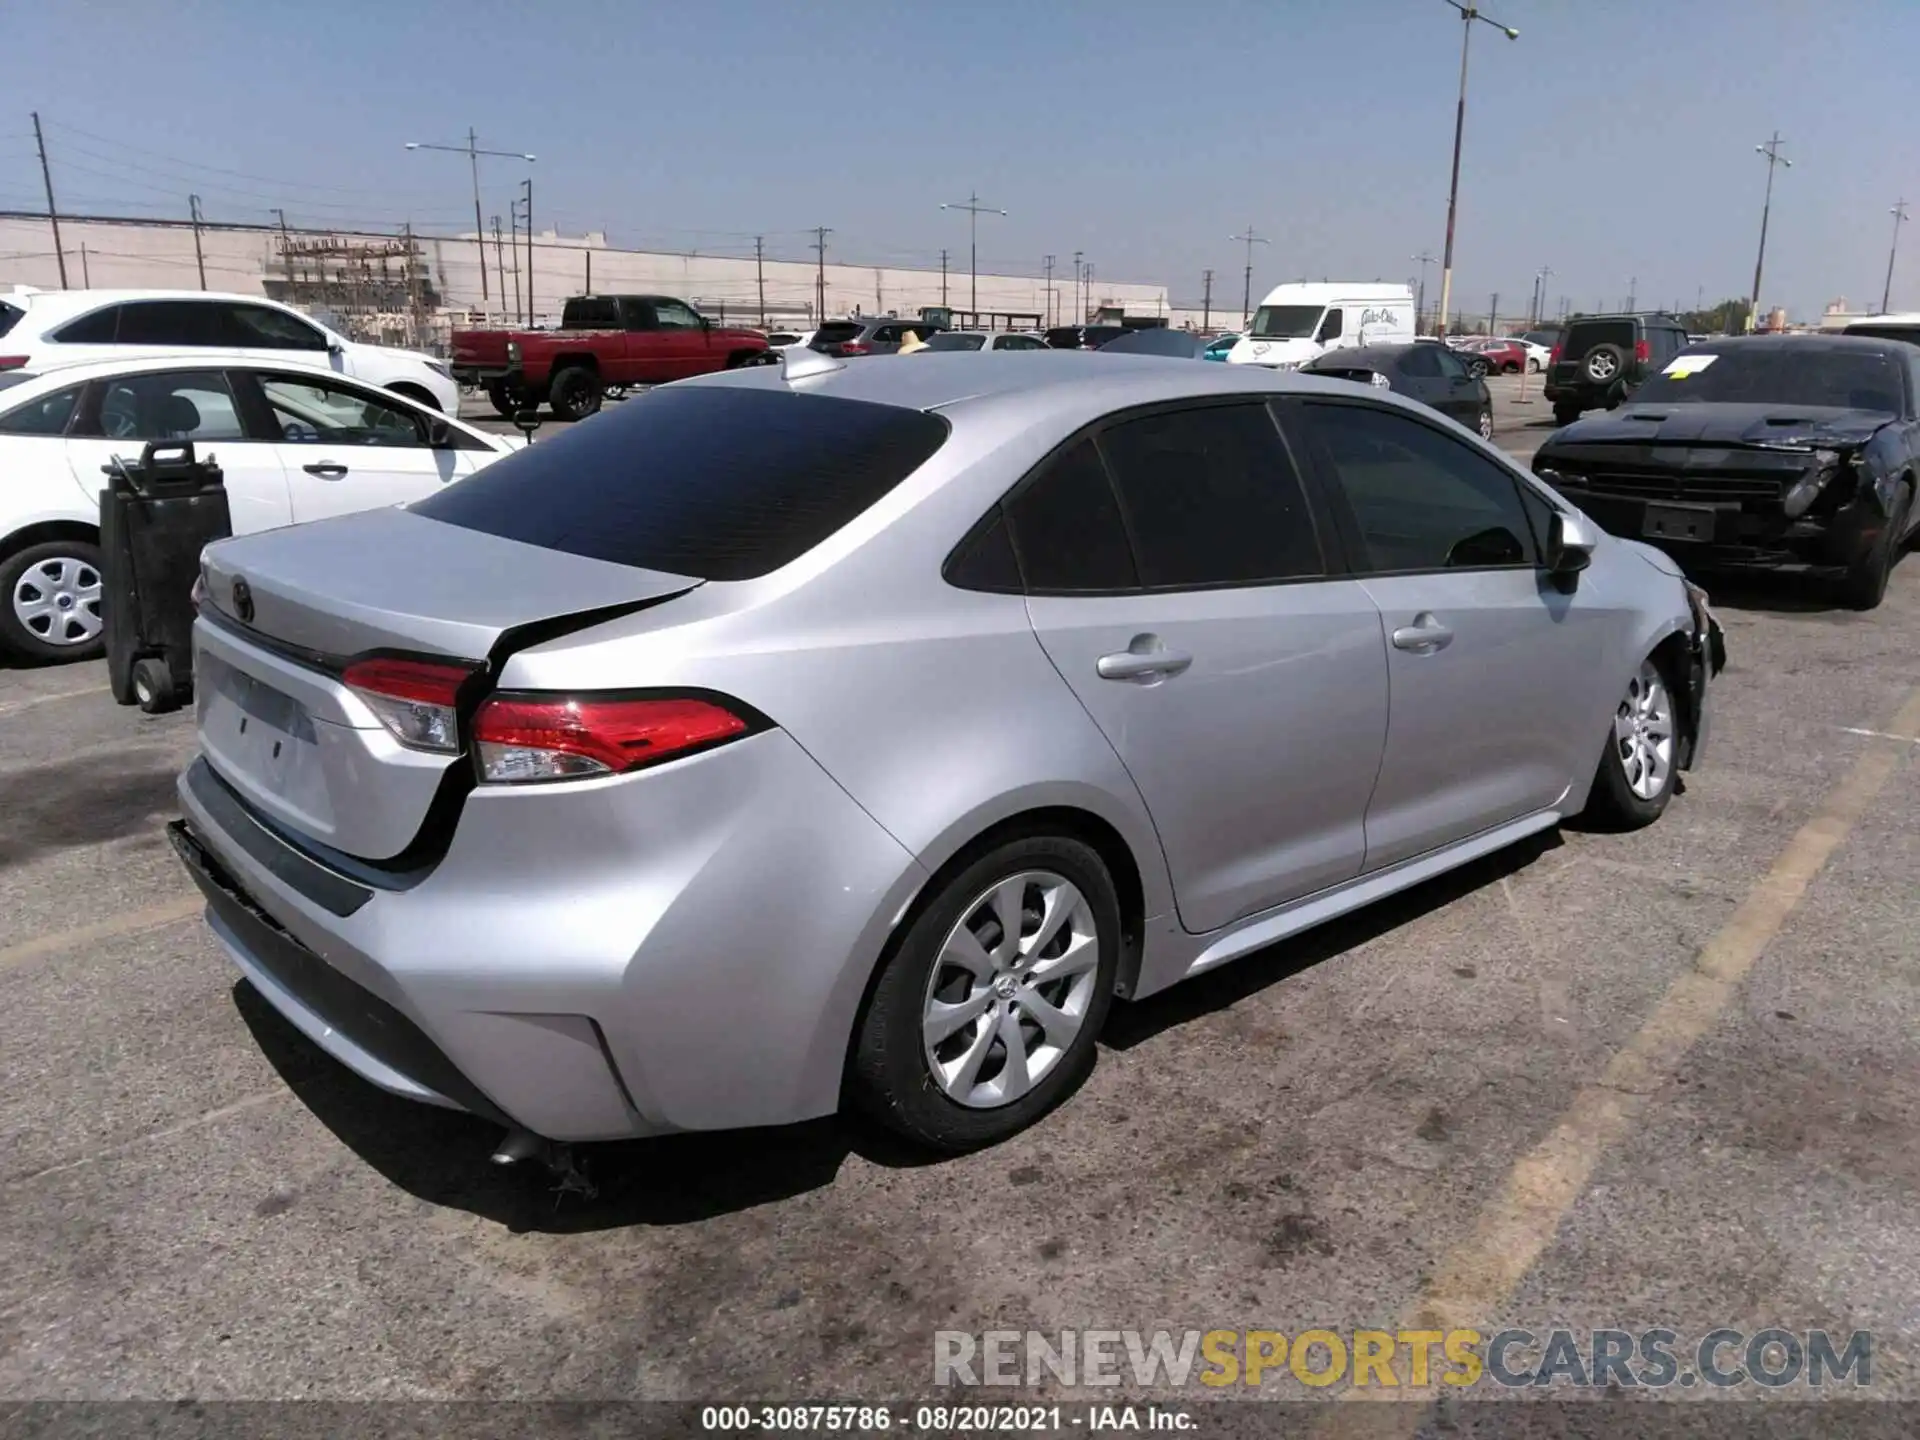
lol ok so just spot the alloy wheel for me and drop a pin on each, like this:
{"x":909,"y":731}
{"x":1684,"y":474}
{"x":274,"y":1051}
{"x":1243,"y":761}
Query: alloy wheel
{"x":1010,"y":989}
{"x":1643,"y":732}
{"x":57,"y":600}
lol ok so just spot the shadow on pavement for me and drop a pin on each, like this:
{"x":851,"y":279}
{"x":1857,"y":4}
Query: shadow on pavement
{"x":83,"y":802}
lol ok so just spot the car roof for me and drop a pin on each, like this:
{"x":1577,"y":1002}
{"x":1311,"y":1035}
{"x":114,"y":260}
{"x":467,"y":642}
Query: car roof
{"x":1332,"y":359}
{"x":1822,"y":343}
{"x":43,"y":302}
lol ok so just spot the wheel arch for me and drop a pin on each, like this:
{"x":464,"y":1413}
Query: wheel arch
{"x":40,"y":531}
{"x":575,"y":360}
{"x":413,"y":390}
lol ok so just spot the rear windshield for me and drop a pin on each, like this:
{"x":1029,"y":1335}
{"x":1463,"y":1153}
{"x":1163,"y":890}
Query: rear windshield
{"x":1285,"y":322}
{"x":1064,"y":337}
{"x":717,"y":482}
{"x":9,"y":316}
{"x":836,"y":332}
{"x":1582,"y":337}
{"x":951,"y":340}
{"x":591,"y":313}
{"x":1778,"y":373}
{"x":1909,"y":332}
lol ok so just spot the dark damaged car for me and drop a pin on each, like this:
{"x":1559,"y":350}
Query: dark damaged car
{"x":1782,"y":452}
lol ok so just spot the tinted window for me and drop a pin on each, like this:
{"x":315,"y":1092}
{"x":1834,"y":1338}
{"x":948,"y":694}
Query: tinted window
{"x":95,"y":329}
{"x":1420,"y":500}
{"x":1018,"y":342}
{"x":173,"y":322}
{"x":257,"y":327}
{"x":1585,"y":334}
{"x":1067,"y":528}
{"x":1211,"y":497}
{"x":169,"y":405}
{"x":889,"y":334}
{"x":1782,"y":372}
{"x":715,"y":482}
{"x":987,"y":561}
{"x":1066,"y":337}
{"x":1908,"y":332}
{"x":1452,"y":367}
{"x":46,"y":416}
{"x":836,"y":332}
{"x":952,"y":341}
{"x":1424,"y":361}
{"x":1330,"y":327}
{"x":595,"y":313}
{"x":309,"y":412}
{"x":1539,"y":515}
{"x":9,"y":316}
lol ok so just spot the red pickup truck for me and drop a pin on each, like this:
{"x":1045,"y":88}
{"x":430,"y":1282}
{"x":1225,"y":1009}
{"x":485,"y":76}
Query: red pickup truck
{"x":604,"y":342}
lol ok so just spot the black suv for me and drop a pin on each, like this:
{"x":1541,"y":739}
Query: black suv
{"x":1603,"y":358}
{"x":1082,"y":337}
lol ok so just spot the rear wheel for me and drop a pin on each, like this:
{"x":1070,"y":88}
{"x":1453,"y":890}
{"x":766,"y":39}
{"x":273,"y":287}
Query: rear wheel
{"x":576,"y":393}
{"x":1486,"y":423}
{"x":50,"y":596}
{"x":508,"y":400}
{"x":1865,"y":584}
{"x":1565,"y":414}
{"x":986,"y":1014}
{"x":1638,"y":770}
{"x":1533,"y":366}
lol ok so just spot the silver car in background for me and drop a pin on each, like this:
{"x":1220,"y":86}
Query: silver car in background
{"x":847,"y":730}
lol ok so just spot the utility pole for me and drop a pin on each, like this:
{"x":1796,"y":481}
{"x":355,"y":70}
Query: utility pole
{"x":1423,"y":259}
{"x":1774,"y":161}
{"x":587,"y":289}
{"x":526,"y":186}
{"x":1899,"y":213}
{"x":53,"y":214}
{"x":499,"y":261}
{"x":1493,"y":313}
{"x":1049,"y":262}
{"x":1081,"y":317}
{"x":473,"y":152}
{"x":1087,"y":270}
{"x":286,"y":249}
{"x":513,"y":227}
{"x":1246,"y":294}
{"x":760,"y":275}
{"x":943,"y":278}
{"x":1468,"y":14}
{"x":86,"y":275}
{"x":1633,"y":291}
{"x":820,"y":233}
{"x":1206,"y":300}
{"x":1540,"y":278}
{"x":199,"y":256}
{"x":974,"y":210}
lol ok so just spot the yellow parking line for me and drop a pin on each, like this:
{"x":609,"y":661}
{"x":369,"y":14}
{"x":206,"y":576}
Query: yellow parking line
{"x":123,"y":924}
{"x":1478,"y":1275}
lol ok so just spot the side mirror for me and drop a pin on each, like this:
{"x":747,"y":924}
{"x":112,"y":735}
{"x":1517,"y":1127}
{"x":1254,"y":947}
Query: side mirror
{"x":439,"y":432}
{"x":335,"y":348}
{"x":526,"y":422}
{"x":1569,"y":550}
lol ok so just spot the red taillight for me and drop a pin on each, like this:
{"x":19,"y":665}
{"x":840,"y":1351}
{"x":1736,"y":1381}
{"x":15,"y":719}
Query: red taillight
{"x":1553,"y":354}
{"x":414,"y":699}
{"x":1642,"y":351}
{"x":13,"y":362}
{"x":525,"y":738}
{"x":854,"y":347}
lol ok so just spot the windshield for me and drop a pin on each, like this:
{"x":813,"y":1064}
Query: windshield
{"x":1285,"y":322}
{"x":954,"y":340}
{"x":1779,"y":373}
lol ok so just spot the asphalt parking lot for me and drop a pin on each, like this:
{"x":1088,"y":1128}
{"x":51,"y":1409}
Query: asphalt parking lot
{"x":1669,"y":1078}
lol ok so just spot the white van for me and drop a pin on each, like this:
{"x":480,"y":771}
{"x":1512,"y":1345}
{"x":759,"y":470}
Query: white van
{"x":1297,"y":322}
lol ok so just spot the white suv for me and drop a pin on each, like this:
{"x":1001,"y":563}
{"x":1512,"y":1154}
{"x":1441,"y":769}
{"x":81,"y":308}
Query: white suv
{"x":43,"y":328}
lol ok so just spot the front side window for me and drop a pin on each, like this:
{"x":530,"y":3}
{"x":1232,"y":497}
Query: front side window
{"x":1420,"y":500}
{"x":258,"y":327}
{"x":1067,"y":528}
{"x":951,"y":340}
{"x":673,"y":315}
{"x":1285,"y":322}
{"x":46,"y":416}
{"x":169,"y":405}
{"x":308,"y":412}
{"x":1211,"y":497}
{"x":1330,"y":327}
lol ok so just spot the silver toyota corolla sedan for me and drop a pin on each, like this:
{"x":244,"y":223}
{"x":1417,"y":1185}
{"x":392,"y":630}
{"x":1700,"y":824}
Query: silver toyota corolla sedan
{"x":858,"y":731}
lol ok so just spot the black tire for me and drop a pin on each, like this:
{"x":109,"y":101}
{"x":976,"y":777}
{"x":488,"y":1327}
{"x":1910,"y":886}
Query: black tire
{"x":153,"y":686}
{"x":507,"y":400}
{"x":889,"y":1075}
{"x":1865,"y":584}
{"x":576,"y":393}
{"x":1565,"y":414}
{"x":1604,"y":364}
{"x":1485,"y":425}
{"x":28,"y":643}
{"x":1477,"y":369}
{"x":1612,"y":803}
{"x":1533,"y":366}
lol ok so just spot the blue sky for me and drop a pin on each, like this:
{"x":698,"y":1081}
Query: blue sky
{"x":1612,"y":142}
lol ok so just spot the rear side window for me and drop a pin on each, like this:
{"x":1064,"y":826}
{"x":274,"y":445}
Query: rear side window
{"x":95,"y":329}
{"x":1211,"y":497}
{"x":173,"y":322}
{"x":9,"y":316}
{"x":1423,"y":361}
{"x":591,"y":314}
{"x":1067,"y":528}
{"x":721,"y":483}
{"x":1064,"y":337}
{"x":46,"y":416}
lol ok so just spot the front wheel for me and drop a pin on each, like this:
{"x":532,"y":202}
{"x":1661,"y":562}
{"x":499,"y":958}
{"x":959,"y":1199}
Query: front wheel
{"x":1486,"y":424}
{"x":1638,"y":770}
{"x":986,"y":1013}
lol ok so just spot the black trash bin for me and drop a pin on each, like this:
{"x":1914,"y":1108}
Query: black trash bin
{"x":155,"y":517}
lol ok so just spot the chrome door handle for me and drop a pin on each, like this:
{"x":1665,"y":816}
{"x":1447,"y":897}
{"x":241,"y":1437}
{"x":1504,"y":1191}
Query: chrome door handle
{"x":1423,"y":637}
{"x":326,"y":469}
{"x":1141,"y":664}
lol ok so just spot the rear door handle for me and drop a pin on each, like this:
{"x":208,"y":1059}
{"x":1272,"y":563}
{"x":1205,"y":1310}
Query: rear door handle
{"x":1145,"y":659}
{"x":326,"y":469}
{"x":1424,"y":636}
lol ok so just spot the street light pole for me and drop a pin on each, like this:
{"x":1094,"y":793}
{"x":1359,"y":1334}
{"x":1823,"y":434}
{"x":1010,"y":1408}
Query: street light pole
{"x":473,"y":152}
{"x":1774,"y":161}
{"x":1468,"y":14}
{"x":1420,"y":303}
{"x":1899,"y":213}
{"x":974,"y":210}
{"x":1246,"y":292}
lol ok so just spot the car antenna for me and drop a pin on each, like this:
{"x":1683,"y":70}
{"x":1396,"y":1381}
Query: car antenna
{"x":798,"y":362}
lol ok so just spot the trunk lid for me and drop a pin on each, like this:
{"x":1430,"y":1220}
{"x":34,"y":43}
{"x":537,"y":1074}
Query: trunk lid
{"x":285,"y":609}
{"x":480,"y":347}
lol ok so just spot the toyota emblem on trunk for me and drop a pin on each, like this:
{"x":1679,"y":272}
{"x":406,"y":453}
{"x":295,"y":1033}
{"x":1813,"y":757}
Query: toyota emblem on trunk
{"x":242,"y":600}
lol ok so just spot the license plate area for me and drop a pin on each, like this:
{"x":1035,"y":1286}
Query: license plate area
{"x":259,"y":736}
{"x":1680,"y":522}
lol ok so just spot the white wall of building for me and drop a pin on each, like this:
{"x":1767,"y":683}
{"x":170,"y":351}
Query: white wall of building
{"x":142,"y":254}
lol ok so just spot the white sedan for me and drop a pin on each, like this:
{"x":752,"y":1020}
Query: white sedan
{"x":294,"y":441}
